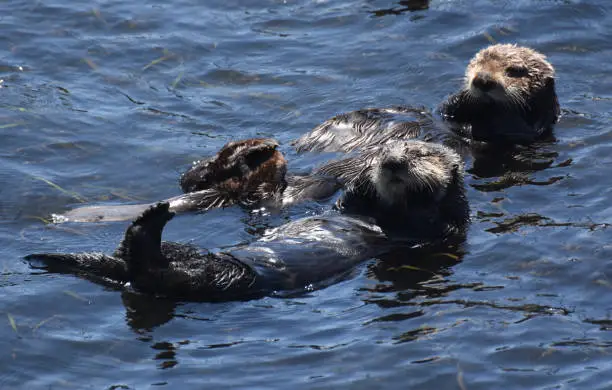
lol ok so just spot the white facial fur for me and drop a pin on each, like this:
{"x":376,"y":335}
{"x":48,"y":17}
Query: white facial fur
{"x":420,"y":166}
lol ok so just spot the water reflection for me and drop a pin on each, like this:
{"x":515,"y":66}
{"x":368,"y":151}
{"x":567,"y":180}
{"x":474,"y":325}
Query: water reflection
{"x":405,"y":269}
{"x":144,"y":312}
{"x":166,"y":354}
{"x":496,"y":160}
{"x":496,"y":167}
{"x":418,"y":281}
{"x":514,"y":223}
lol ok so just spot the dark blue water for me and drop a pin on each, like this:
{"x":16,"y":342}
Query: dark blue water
{"x":107,"y":102}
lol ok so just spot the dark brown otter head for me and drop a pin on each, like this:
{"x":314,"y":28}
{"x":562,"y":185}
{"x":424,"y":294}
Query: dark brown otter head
{"x":509,"y":95}
{"x":246,"y":171}
{"x":411,"y":186}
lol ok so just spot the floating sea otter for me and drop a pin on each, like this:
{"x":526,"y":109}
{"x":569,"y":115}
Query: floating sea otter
{"x":411,"y":188}
{"x":509,"y":97}
{"x":246,"y":172}
{"x":292,"y":257}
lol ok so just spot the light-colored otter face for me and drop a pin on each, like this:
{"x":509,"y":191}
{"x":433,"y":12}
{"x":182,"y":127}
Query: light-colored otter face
{"x":405,"y":167}
{"x":507,"y":74}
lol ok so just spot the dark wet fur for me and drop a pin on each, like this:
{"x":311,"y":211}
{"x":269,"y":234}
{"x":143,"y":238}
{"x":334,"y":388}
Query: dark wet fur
{"x":495,"y":123}
{"x":164,"y":268}
{"x":242,"y":172}
{"x":183,"y":272}
{"x":420,"y":217}
{"x":243,"y":161}
{"x":367,"y":127}
{"x":317,"y":187}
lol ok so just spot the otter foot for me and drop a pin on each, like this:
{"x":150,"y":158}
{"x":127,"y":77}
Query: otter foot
{"x":141,"y":245}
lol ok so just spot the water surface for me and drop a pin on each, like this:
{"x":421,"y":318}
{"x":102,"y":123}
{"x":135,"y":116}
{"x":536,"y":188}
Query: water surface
{"x":108,"y":101}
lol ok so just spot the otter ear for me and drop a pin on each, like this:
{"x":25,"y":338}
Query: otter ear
{"x":339,"y":204}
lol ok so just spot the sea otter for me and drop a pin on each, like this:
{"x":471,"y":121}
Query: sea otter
{"x":302,"y":254}
{"x":246,"y":172}
{"x":411,"y":187}
{"x":410,"y":191}
{"x":508,"y":97}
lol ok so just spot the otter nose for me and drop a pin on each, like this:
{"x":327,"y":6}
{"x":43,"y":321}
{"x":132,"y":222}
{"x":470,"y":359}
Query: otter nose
{"x":483,"y":81}
{"x":392,"y":166}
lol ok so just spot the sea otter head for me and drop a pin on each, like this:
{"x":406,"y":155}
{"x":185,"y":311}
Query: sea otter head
{"x":507,"y":74}
{"x":241,"y":168}
{"x":407,"y":186}
{"x":409,"y":171}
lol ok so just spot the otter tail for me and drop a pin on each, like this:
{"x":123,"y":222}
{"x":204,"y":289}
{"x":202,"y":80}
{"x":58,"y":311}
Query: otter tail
{"x":141,"y":245}
{"x":92,"y":264}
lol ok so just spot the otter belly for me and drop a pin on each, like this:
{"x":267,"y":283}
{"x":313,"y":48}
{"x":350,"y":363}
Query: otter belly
{"x":311,"y":252}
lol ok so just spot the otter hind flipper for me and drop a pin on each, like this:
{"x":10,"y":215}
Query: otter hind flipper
{"x":106,"y":213}
{"x":91,"y":264}
{"x":155,"y":217}
{"x":141,"y":245}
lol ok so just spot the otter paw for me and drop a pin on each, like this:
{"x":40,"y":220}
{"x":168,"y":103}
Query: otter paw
{"x":158,"y":213}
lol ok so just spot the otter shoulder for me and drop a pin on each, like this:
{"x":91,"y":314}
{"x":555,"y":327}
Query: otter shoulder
{"x":366,"y":127}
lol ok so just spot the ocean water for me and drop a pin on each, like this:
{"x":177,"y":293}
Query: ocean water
{"x":108,"y":101}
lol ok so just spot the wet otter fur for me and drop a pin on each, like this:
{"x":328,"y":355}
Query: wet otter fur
{"x":245,"y":169}
{"x":367,"y":127}
{"x":508,"y":97}
{"x":297,"y":255}
{"x":409,"y":187}
{"x":249,"y":173}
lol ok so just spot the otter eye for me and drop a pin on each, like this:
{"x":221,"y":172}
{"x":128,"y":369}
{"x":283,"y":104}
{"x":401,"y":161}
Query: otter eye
{"x":516,"y":71}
